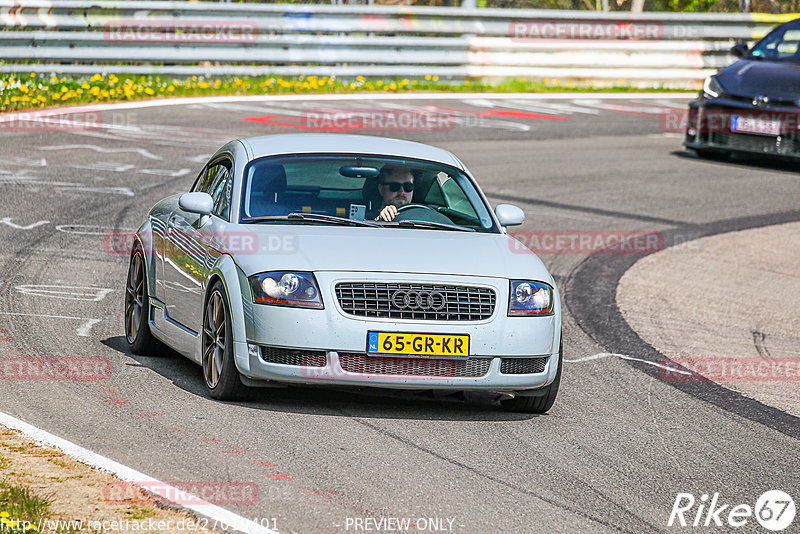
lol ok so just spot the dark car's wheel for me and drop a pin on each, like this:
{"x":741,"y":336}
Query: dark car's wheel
{"x":219,"y":369}
{"x":137,"y":308}
{"x":540,"y":404}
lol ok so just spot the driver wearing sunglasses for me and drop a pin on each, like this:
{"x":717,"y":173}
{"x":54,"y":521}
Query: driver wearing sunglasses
{"x":396,"y":186}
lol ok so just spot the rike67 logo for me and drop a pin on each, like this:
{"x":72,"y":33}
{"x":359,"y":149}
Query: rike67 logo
{"x":774,"y":510}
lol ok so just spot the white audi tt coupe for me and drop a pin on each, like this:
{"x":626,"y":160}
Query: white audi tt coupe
{"x":346,"y":260}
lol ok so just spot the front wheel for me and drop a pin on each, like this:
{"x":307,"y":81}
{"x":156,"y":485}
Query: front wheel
{"x":137,"y":308}
{"x":219,"y":368}
{"x":540,"y":404}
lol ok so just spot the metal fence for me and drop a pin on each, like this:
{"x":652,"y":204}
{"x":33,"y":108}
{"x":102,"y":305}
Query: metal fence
{"x":183,"y":38}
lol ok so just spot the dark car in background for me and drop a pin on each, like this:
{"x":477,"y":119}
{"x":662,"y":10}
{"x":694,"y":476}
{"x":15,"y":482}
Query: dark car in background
{"x":752,"y":106}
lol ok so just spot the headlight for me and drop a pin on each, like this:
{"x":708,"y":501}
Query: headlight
{"x":530,"y":298}
{"x":712,"y":88}
{"x":286,"y":288}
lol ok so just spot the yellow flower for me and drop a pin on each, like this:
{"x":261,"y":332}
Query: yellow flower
{"x":96,"y":78}
{"x":23,"y":88}
{"x":194,"y":78}
{"x":64,"y":89}
{"x":33,"y":75}
{"x":56,"y":96}
{"x":170,"y":88}
{"x":203,"y":85}
{"x":3,"y":514}
{"x":435,"y":78}
{"x":95,"y":90}
{"x":85,"y":85}
{"x":427,"y":76}
{"x":149,"y":91}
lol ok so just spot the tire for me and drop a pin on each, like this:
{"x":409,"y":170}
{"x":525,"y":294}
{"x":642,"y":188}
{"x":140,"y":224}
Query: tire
{"x":219,"y":368}
{"x":137,"y":308}
{"x":542,"y":403}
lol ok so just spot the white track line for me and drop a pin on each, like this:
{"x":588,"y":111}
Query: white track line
{"x":37,"y":115}
{"x":213,"y":512}
{"x":603,"y":355}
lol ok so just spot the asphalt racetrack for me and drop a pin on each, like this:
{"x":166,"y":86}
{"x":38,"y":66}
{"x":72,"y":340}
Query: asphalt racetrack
{"x":612,"y":455}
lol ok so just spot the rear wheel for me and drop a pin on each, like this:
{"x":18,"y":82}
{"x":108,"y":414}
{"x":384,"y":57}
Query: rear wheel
{"x":137,"y":308}
{"x":542,"y":403}
{"x":219,"y":368}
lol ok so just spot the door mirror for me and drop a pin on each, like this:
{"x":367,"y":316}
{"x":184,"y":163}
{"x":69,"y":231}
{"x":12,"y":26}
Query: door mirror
{"x":509,"y":215}
{"x":740,"y":49}
{"x":197,"y":202}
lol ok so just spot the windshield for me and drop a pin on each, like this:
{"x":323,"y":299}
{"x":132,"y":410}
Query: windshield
{"x":781,"y":45}
{"x":324,"y":188}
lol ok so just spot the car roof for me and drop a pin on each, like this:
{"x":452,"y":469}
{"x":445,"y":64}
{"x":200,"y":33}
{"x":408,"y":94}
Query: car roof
{"x":273,"y":145}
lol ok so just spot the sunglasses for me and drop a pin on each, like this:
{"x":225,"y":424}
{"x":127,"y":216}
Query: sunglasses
{"x":394,"y":187}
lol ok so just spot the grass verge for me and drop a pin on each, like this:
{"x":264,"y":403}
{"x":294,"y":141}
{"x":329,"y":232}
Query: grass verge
{"x":44,"y":490}
{"x":32,"y":91}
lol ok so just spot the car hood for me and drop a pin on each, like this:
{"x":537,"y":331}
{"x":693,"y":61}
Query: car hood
{"x":749,"y":78}
{"x":326,"y":248}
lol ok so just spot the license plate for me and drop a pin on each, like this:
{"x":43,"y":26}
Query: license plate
{"x":755,"y":125}
{"x":421,"y":345}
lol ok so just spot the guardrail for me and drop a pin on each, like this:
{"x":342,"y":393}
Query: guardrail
{"x":183,"y":38}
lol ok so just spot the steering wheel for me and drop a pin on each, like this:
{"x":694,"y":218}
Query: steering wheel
{"x":425,"y":213}
{"x":407,"y":207}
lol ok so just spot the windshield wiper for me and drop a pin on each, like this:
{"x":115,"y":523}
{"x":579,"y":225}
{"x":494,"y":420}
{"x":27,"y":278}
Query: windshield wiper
{"x":433,"y":226}
{"x":311,"y":217}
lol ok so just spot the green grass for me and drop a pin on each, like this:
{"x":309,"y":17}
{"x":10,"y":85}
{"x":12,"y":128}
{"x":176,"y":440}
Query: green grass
{"x":31,"y":91}
{"x":19,"y":505}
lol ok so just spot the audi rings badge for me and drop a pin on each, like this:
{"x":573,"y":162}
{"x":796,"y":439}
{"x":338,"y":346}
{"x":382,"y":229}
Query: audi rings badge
{"x":404,"y":299}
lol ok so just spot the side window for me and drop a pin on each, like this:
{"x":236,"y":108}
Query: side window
{"x":219,"y":185}
{"x":456,"y":198}
{"x":222,"y":194}
{"x":203,"y":182}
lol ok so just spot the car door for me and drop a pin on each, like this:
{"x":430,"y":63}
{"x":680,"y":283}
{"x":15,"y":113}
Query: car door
{"x":187,"y":258}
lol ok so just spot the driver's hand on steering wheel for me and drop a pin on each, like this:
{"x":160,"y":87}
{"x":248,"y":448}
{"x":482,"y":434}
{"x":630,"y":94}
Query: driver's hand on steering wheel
{"x":388,"y":213}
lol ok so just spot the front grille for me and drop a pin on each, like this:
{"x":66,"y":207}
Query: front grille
{"x":751,"y":143}
{"x":354,"y":362}
{"x":305,"y":358}
{"x":522,"y":366}
{"x":430,"y":302}
{"x":715,"y":128}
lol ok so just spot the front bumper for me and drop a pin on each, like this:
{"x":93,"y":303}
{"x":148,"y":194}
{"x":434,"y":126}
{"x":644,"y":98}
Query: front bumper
{"x":333,"y":372}
{"x":709,"y":128}
{"x":333,"y":344}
